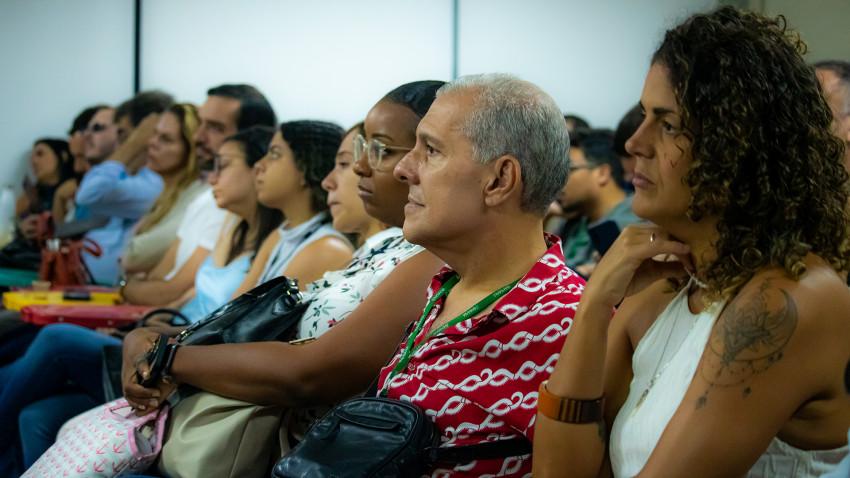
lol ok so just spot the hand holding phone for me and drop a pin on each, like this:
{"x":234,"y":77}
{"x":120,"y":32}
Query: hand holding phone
{"x":602,"y":235}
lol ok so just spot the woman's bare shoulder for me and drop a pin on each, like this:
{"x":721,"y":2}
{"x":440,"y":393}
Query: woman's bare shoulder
{"x":819,"y":297}
{"x":639,"y":311}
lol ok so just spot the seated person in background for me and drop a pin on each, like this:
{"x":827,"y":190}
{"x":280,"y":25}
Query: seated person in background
{"x":575,"y":122}
{"x":625,"y":129}
{"x":249,"y":224}
{"x":59,"y":376}
{"x":64,"y":208}
{"x":834,"y":77}
{"x":171,"y":155}
{"x":738,"y":369}
{"x":227,"y":109}
{"x":289,"y":179}
{"x":107,"y":190}
{"x":466,"y":175}
{"x":50,"y":163}
{"x":592,"y":195}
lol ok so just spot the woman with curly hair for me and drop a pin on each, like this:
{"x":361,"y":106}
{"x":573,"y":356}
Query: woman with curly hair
{"x":726,"y":353}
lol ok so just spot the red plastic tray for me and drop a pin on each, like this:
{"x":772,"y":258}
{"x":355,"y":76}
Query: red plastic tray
{"x":87,"y":316}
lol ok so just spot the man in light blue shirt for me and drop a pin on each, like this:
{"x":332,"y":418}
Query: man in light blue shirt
{"x":110,"y":189}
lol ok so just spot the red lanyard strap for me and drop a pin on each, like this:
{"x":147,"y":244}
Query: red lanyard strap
{"x":410,"y":348}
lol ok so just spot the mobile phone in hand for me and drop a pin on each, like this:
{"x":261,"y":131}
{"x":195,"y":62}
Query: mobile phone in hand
{"x":602,"y":235}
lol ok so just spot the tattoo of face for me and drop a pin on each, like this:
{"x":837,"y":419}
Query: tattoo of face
{"x":750,"y":336}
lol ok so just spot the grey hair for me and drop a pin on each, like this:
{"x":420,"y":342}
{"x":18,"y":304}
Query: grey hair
{"x":517,"y":118}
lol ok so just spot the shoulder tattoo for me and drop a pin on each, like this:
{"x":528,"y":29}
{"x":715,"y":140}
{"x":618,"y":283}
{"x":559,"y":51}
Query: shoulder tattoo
{"x":749,"y":338}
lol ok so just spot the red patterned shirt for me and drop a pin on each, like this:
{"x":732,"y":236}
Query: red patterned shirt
{"x":478,"y":379}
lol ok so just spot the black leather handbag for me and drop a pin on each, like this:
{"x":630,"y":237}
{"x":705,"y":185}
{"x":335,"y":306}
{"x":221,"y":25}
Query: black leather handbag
{"x":268,"y":312}
{"x":380,"y":437}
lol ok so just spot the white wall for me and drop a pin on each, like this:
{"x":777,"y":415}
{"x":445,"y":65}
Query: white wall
{"x":330,"y":59}
{"x":57,"y":57}
{"x":591,"y":56}
{"x":327,"y":59}
{"x":823,"y":24}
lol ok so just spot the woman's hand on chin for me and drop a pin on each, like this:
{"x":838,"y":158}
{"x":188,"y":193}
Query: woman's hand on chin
{"x":640,"y":256}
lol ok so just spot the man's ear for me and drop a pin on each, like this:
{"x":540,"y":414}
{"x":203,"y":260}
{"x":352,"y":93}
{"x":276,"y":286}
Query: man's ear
{"x":505,"y":180}
{"x":602,"y":174}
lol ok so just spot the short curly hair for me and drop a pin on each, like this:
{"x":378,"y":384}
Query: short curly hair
{"x":764,"y":160}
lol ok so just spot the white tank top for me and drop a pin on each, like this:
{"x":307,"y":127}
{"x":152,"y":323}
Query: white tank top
{"x":664,"y":364}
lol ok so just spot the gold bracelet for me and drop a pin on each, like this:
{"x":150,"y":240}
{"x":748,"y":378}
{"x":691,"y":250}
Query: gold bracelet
{"x":568,"y":410}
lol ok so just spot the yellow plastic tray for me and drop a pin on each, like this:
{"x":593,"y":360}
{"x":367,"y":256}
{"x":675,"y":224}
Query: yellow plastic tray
{"x":20,"y":299}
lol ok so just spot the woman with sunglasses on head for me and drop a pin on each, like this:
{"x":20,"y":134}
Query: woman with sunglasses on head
{"x":728,"y":361}
{"x":171,"y":155}
{"x":357,"y":314}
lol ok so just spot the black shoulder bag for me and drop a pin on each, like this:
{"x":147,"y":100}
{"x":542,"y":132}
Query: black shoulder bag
{"x":268,"y":312}
{"x":381,"y":437}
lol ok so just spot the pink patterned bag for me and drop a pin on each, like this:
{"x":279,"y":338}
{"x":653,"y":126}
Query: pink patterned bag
{"x":106,"y":441}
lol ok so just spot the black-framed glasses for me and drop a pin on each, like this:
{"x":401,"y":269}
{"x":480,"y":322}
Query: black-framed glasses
{"x":576,"y":167}
{"x":374,"y":151}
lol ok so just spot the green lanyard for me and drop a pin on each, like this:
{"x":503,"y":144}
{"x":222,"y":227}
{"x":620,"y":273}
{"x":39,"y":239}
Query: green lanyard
{"x":409,"y":349}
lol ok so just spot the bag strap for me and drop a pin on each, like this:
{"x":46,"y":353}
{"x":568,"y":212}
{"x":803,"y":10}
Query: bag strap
{"x":463,"y":454}
{"x":252,"y":295}
{"x":174,"y":313}
{"x":481,"y":451}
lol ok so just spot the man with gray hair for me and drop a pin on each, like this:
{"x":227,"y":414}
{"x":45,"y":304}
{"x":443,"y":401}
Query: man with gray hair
{"x":490,"y":155}
{"x":834,"y":76}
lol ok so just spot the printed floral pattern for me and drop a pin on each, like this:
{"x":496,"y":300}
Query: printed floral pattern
{"x":334,"y":296}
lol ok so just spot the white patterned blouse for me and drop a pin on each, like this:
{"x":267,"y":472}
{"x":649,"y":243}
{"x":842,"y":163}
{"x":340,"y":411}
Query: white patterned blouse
{"x":339,"y":292}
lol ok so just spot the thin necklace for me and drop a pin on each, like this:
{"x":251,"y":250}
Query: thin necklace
{"x":697,"y":282}
{"x":658,"y":367}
